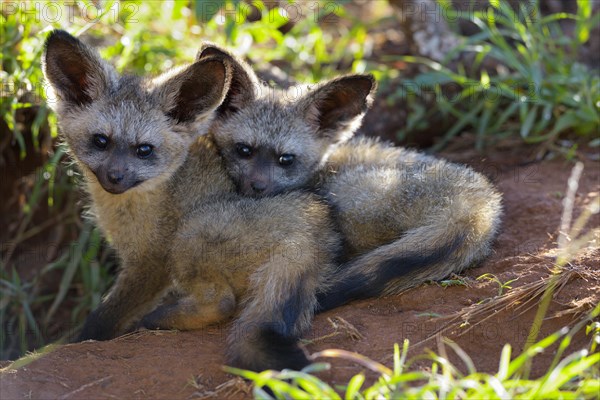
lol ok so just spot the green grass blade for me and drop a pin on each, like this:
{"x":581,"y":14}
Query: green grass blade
{"x":462,"y":355}
{"x":69,"y":272}
{"x":465,"y":120}
{"x":533,"y":350}
{"x":568,"y":369}
{"x":311,"y":384}
{"x":528,"y":123}
{"x":353,"y":389}
{"x":504,"y":363}
{"x":584,"y":13}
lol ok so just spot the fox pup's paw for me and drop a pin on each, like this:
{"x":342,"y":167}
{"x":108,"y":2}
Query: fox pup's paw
{"x":266,"y":349}
{"x":97,"y":327}
{"x":154,"y":320}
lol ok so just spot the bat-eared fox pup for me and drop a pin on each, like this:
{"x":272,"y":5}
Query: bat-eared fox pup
{"x":161,"y":195}
{"x":405,"y":217}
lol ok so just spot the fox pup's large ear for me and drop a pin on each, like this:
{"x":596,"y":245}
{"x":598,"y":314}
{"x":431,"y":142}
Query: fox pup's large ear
{"x":336,"y":108}
{"x":195,"y":90}
{"x":244,"y":82}
{"x":75,"y":71}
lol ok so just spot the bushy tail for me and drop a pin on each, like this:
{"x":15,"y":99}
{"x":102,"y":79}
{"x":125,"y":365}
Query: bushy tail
{"x":429,"y":252}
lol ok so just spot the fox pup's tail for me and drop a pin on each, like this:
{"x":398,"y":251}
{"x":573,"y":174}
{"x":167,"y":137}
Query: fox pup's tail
{"x":446,"y":243}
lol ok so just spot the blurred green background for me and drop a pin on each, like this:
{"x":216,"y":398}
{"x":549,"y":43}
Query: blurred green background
{"x":497,"y":72}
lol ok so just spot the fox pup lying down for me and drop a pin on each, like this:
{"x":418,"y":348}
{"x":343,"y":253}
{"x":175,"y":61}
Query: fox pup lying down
{"x":160,"y":193}
{"x":405,"y":217}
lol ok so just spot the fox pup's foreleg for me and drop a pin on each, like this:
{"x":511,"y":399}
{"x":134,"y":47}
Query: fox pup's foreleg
{"x":277,"y":310}
{"x":134,"y":293}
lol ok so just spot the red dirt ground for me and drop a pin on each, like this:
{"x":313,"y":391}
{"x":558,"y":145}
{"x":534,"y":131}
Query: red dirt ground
{"x":188,"y":364}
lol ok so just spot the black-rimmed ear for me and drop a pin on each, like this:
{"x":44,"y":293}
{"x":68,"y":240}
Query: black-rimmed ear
{"x":208,"y":49}
{"x":194,"y":90}
{"x":75,"y":71}
{"x":336,"y":108}
{"x":244,"y":82}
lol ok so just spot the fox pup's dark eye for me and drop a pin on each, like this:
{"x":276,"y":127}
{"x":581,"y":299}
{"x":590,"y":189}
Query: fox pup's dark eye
{"x":100,"y":141}
{"x":243,"y":150}
{"x":144,"y":150}
{"x":286,"y":159}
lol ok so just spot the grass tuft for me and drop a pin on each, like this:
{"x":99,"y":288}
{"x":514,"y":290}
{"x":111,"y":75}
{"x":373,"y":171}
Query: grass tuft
{"x":516,"y":77}
{"x":574,"y":376}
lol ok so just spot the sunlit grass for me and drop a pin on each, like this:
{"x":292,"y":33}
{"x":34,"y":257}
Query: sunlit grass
{"x":537,"y":90}
{"x":575,"y":375}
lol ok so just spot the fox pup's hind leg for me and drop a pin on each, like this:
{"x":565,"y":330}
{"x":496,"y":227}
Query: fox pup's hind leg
{"x":208,"y":303}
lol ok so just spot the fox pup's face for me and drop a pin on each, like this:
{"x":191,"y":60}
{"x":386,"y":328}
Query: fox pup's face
{"x":123,"y":142}
{"x":273,"y":141}
{"x":128,"y":132}
{"x":268,"y":149}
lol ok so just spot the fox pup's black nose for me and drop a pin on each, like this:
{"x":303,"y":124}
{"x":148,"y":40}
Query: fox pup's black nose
{"x":258,"y":186}
{"x":115,"y":176}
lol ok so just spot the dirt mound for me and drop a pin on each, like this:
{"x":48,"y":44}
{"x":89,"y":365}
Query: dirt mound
{"x":184,"y":364}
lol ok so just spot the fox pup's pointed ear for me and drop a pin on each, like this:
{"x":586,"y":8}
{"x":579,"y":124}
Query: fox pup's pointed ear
{"x":336,"y":108}
{"x":208,"y":49}
{"x":244,"y":82}
{"x":75,"y":71}
{"x":195,"y":90}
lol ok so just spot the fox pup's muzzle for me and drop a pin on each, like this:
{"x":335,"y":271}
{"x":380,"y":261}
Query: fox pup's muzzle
{"x":116,"y":181}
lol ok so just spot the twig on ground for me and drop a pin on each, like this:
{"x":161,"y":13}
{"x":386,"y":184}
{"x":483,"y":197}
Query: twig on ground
{"x":224,"y":390}
{"x":340,"y":325}
{"x":87,"y":385}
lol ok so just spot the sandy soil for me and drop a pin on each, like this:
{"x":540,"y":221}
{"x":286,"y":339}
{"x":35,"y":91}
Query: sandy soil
{"x":186,"y":364}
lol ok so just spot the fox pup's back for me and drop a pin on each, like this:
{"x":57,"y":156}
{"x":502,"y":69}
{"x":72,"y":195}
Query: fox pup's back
{"x":380,"y":190}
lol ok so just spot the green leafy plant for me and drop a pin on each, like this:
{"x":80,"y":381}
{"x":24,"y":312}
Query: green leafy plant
{"x":535,"y":89}
{"x":454,"y":281}
{"x":502,"y":286}
{"x":18,"y":299}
